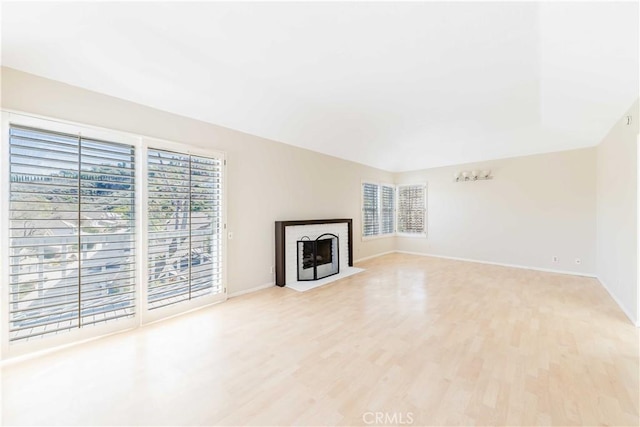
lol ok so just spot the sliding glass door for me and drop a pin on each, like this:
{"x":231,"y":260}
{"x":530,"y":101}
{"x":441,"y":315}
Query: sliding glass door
{"x":102,"y":231}
{"x":185,"y":227}
{"x":72,"y":251}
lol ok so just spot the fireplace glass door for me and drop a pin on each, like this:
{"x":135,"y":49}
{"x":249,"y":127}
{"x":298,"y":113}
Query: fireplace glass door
{"x":318,"y":258}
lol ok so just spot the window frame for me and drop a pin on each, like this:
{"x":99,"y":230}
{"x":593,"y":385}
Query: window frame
{"x":142,"y":315}
{"x":396,"y":210}
{"x":78,"y":155}
{"x":194,"y":304}
{"x":422,"y":234}
{"x":380,"y":234}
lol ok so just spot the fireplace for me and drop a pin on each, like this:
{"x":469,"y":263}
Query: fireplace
{"x":318,"y":258}
{"x":287,"y":235}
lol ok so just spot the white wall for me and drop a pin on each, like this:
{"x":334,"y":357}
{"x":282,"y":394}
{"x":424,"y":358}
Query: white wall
{"x":267,"y":180}
{"x":617,"y":247}
{"x":534,"y":208}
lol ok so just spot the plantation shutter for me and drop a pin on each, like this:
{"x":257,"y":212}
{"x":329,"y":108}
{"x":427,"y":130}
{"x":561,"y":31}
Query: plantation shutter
{"x":412,"y":209}
{"x":185,"y":227}
{"x":370,"y":213}
{"x":72,"y":232}
{"x":388,"y":209}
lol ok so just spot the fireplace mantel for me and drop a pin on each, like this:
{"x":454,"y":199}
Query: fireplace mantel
{"x":280,"y":229}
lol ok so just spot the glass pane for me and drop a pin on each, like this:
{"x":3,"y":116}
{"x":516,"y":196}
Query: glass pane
{"x":43,"y":233}
{"x":107,"y":231}
{"x":388,"y":209}
{"x":370,"y":210}
{"x":185,"y":226}
{"x":72,"y":236}
{"x":411,"y":209}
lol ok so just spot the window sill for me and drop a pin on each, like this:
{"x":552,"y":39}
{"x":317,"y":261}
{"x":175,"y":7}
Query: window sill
{"x":384,"y":236}
{"x":412,"y":235}
{"x":378,"y":236}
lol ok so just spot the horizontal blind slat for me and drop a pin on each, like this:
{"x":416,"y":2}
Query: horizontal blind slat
{"x":184,"y":193}
{"x":370,"y":213}
{"x":72,"y":220}
{"x":411,"y":209}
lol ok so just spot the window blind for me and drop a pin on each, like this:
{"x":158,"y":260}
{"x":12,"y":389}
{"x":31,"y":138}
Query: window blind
{"x":370,"y":210}
{"x":411,"y":209}
{"x":387,"y":209}
{"x":72,"y":232}
{"x":185,"y":227}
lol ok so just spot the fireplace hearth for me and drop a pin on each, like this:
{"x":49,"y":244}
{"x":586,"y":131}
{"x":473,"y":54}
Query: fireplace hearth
{"x":318,"y":258}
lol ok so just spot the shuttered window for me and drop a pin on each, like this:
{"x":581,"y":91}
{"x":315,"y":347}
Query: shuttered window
{"x":387,"y":209}
{"x":378,"y":208}
{"x":185,"y":227}
{"x":412,"y":209}
{"x":370,"y":210}
{"x":72,"y":232}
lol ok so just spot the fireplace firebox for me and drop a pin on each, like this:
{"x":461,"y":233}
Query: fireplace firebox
{"x":287,"y":233}
{"x":318,"y":258}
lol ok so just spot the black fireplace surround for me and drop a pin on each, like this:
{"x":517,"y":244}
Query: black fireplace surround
{"x":280,"y":227}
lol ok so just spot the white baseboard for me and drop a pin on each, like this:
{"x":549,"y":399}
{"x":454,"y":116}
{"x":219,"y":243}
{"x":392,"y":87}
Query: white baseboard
{"x":635,"y":321}
{"x":374,"y":256}
{"x":250,"y":290}
{"x":502,"y":264}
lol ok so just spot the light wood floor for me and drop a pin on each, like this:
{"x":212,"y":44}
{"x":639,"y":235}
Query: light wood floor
{"x":436,"y":342}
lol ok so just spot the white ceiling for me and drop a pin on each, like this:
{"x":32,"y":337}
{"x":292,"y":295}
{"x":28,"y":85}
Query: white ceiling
{"x":398,"y":86}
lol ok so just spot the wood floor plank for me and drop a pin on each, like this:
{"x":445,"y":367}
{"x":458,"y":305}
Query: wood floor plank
{"x":434,"y":341}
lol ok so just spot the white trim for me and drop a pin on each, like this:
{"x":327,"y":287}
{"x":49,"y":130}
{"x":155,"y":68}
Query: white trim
{"x":19,"y":348}
{"x":142,"y":315}
{"x":523,"y":267}
{"x":187,"y":310}
{"x":71,"y":336}
{"x":186,"y":306}
{"x":633,"y":320}
{"x":307,"y":285}
{"x":396,"y":210}
{"x":638,"y":227}
{"x":181,"y":148}
{"x":378,"y":183}
{"x":56,"y":348}
{"x":142,"y":224}
{"x":424,"y":233}
{"x":502,"y":264}
{"x":53,"y":349}
{"x":377,"y":236}
{"x":251,"y":290}
{"x":413,"y":235}
{"x":224,"y":222}
{"x":152,"y":316}
{"x":373,"y":256}
{"x":4,"y":236}
{"x":379,"y":186}
{"x":72,"y":128}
